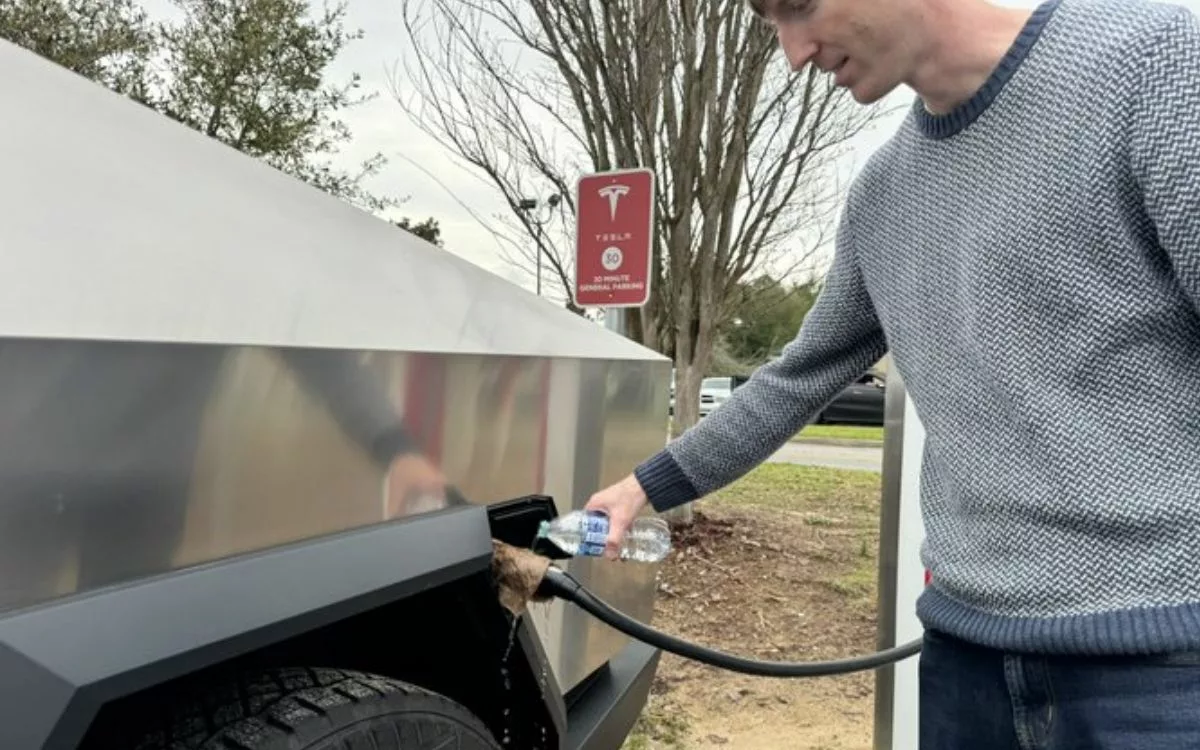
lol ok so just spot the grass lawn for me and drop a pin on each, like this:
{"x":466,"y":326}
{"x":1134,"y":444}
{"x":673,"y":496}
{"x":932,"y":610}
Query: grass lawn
{"x":808,"y":490}
{"x":841,"y":432}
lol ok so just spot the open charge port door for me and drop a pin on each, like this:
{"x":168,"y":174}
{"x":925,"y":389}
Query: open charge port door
{"x":515,"y":522}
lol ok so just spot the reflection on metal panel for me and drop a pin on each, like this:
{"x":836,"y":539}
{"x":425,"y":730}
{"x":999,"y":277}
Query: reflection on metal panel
{"x":120,"y":460}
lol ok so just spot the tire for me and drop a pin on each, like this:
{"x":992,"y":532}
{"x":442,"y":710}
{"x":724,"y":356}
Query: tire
{"x":314,"y":709}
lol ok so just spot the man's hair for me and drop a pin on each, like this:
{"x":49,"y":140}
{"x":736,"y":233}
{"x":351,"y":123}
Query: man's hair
{"x":758,"y":7}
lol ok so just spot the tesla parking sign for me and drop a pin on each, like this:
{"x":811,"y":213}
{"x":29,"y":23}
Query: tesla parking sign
{"x":614,"y":238}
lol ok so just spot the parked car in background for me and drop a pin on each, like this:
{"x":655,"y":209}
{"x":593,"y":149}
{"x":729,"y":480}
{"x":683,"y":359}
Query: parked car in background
{"x":715,"y":391}
{"x":859,"y":403}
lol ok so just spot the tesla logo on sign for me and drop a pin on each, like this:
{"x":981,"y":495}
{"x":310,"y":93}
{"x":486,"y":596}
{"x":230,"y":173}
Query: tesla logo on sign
{"x":613,"y":193}
{"x":614,"y":238}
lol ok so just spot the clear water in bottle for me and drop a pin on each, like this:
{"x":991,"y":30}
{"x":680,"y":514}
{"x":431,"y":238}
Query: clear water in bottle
{"x":583,"y":534}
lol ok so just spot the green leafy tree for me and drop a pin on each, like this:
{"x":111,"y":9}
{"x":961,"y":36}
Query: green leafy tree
{"x":428,"y":230}
{"x":764,"y":316}
{"x":107,"y":41}
{"x":251,"y":73}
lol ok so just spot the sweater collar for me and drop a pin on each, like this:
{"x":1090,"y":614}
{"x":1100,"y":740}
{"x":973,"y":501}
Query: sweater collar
{"x":955,"y":121}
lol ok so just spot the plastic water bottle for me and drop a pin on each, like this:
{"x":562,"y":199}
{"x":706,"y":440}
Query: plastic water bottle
{"x":584,"y":533}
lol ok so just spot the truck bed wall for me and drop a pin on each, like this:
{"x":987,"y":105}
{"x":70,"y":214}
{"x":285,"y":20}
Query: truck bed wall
{"x":202,"y":453}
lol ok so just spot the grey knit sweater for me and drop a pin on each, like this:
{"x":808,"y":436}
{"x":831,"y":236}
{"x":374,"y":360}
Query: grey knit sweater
{"x":1032,"y":262}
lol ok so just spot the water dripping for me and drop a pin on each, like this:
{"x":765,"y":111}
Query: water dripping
{"x":512,"y":639}
{"x":504,"y":673}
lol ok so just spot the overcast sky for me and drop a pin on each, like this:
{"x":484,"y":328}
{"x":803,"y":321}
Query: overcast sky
{"x":381,"y":126}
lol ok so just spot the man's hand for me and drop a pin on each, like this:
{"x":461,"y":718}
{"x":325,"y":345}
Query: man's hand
{"x":622,"y":502}
{"x":414,"y":485}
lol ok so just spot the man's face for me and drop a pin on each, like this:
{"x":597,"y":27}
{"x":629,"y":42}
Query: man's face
{"x":859,"y":40}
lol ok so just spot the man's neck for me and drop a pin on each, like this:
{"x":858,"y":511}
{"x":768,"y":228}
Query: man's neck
{"x":969,"y":41}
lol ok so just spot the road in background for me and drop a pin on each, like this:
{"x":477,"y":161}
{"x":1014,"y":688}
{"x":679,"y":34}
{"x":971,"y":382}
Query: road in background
{"x":863,"y":458}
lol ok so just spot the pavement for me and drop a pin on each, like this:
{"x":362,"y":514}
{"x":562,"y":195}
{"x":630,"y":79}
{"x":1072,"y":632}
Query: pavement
{"x":862,"y":458}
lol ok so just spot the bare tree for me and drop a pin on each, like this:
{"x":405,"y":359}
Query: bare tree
{"x":531,"y":94}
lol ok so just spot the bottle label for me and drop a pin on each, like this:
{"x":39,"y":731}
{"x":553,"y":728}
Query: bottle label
{"x":595,"y":534}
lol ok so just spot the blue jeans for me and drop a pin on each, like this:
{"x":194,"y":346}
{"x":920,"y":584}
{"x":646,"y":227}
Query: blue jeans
{"x":975,"y":698}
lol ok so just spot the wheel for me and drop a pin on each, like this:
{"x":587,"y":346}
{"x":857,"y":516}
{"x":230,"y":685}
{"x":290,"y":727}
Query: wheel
{"x":314,"y":709}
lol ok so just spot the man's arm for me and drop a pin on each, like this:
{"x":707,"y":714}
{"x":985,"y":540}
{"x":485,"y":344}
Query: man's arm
{"x":840,"y":339}
{"x":1165,"y":148}
{"x":359,"y":403}
{"x":356,"y":399}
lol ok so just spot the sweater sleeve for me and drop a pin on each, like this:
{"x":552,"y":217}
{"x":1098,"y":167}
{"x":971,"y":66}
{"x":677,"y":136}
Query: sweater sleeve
{"x":1165,"y":145}
{"x":356,"y":398}
{"x":839,"y":340}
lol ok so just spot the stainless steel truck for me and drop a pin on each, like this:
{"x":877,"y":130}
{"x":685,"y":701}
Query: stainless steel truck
{"x":226,"y":399}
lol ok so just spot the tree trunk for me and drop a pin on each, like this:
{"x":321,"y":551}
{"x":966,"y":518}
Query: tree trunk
{"x":689,"y":374}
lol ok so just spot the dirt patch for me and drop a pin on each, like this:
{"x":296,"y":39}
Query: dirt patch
{"x":770,"y":572}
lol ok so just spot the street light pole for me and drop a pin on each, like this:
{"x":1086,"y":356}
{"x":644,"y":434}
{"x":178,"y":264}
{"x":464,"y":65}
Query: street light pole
{"x":615,"y":319}
{"x":527,"y":206}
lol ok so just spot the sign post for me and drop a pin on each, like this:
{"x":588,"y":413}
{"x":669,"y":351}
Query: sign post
{"x":614,"y":241}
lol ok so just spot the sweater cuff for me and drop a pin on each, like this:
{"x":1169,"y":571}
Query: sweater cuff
{"x":664,"y":482}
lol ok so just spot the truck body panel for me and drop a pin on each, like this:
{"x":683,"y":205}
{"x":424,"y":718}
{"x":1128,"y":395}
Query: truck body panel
{"x":206,"y":364}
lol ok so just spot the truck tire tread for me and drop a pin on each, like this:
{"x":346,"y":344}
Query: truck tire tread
{"x":329,"y":709}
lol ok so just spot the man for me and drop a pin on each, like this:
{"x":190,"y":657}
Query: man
{"x":1027,"y":246}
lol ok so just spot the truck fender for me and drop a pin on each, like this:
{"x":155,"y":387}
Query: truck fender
{"x":62,"y":661}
